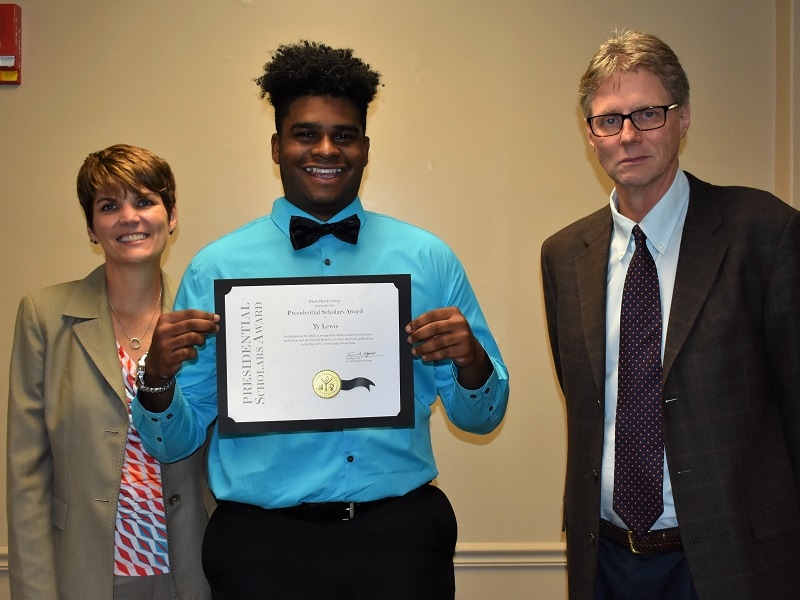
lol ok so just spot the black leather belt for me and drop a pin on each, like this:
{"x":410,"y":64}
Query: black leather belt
{"x":321,"y":512}
{"x":658,"y":540}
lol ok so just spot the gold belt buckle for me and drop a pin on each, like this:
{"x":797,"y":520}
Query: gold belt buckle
{"x":631,"y":544}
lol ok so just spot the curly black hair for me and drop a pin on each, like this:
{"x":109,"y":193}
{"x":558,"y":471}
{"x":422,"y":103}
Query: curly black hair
{"x":314,"y":69}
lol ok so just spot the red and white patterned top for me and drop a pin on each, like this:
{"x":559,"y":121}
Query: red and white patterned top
{"x":141,"y":526}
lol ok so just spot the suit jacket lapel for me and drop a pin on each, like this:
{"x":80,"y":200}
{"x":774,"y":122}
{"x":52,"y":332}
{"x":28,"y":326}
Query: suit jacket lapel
{"x":699,"y":262}
{"x":591,"y":268}
{"x":94,"y":331}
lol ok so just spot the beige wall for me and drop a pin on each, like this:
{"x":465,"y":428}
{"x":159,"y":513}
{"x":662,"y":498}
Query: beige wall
{"x":475,"y":136}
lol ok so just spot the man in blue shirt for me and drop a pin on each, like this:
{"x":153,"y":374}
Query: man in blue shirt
{"x":325,"y":514}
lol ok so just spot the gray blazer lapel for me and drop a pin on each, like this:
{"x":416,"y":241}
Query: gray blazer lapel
{"x":94,"y":331}
{"x":698,"y":264}
{"x":591,"y":268}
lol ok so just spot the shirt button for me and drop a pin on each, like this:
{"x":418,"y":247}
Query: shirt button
{"x":174,"y":499}
{"x":327,"y":262}
{"x":350,"y":459}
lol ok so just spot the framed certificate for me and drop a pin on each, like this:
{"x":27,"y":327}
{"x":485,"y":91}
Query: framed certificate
{"x":314,"y":353}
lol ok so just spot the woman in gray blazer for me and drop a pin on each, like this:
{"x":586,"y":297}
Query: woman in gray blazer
{"x":91,"y":514}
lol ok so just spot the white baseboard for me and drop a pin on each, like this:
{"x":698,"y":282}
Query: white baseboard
{"x":483,"y":555}
{"x":474,"y":555}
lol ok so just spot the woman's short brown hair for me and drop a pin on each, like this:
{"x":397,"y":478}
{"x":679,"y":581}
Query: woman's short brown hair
{"x":121,"y":167}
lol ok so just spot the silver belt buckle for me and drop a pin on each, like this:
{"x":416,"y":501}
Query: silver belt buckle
{"x":351,"y":511}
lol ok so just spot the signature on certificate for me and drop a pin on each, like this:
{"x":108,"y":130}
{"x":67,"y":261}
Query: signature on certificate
{"x":361,"y":356}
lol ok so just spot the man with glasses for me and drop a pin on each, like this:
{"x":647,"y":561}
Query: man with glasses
{"x":674,"y":322}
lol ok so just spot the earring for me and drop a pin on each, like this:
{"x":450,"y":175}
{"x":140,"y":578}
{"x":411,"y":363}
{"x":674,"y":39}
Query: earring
{"x":171,"y":231}
{"x":95,"y":242}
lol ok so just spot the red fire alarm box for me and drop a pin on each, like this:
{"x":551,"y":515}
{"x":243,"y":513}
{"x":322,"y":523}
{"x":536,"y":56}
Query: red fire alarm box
{"x":10,"y":44}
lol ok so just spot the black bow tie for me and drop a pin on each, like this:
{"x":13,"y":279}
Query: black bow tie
{"x":304,"y":232}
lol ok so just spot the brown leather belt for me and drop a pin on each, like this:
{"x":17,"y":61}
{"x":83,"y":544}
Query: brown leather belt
{"x":658,"y":540}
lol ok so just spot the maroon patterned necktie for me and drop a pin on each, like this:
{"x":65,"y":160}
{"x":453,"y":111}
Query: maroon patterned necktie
{"x":639,"y":442}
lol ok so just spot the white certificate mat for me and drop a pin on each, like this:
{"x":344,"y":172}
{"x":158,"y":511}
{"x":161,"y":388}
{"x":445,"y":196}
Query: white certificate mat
{"x":314,"y":353}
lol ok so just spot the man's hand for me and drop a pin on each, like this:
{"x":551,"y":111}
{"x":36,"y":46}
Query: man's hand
{"x":445,"y":333}
{"x":174,"y":340}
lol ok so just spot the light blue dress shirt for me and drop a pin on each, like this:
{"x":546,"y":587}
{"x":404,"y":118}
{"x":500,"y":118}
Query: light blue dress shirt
{"x":663,"y":227}
{"x":284,"y":469}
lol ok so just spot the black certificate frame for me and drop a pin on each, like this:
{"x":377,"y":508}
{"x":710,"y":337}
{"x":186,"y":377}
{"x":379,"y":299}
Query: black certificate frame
{"x":403,"y":419}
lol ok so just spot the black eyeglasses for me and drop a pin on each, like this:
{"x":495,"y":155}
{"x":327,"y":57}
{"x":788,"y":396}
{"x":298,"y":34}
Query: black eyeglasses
{"x":644,"y":119}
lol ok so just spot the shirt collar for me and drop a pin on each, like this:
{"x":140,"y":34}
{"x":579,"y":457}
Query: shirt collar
{"x":283,"y":211}
{"x":658,"y":224}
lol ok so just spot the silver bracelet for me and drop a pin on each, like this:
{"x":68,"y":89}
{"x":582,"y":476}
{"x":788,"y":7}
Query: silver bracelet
{"x":143,"y":387}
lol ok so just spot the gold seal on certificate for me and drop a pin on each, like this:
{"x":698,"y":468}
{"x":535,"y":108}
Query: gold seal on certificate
{"x":326,"y":384}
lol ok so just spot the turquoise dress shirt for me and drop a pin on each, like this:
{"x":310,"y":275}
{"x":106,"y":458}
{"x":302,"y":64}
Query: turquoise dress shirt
{"x":275,"y":470}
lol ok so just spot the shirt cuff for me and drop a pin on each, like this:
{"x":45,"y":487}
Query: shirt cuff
{"x":154,"y":427}
{"x":487,"y":389}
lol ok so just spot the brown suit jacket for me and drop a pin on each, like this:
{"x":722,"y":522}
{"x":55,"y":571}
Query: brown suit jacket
{"x":67,"y":424}
{"x":731,"y":389}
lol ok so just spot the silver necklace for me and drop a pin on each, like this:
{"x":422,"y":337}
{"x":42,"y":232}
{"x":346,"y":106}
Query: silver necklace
{"x":136,"y":342}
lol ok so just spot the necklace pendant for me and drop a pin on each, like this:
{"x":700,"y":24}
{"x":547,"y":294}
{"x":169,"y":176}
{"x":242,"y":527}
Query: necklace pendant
{"x":136,"y":342}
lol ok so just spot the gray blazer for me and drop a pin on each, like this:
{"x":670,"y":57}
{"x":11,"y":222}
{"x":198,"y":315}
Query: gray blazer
{"x":731,"y":389}
{"x":67,"y":424}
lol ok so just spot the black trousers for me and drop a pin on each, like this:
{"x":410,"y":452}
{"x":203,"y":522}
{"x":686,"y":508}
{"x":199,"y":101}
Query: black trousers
{"x":400,"y":550}
{"x":622,"y":575}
